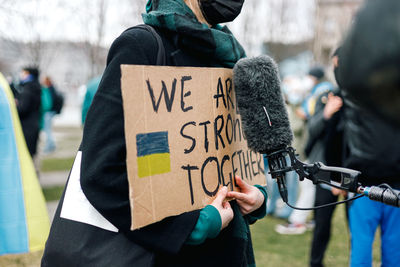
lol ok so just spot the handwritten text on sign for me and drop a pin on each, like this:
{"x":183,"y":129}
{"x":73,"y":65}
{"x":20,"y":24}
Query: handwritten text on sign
{"x":184,"y":139}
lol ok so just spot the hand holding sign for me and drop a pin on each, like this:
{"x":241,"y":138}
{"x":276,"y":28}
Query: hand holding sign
{"x":223,"y":207}
{"x":249,"y":198}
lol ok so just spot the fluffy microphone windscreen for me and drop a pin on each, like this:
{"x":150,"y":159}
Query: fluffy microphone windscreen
{"x":369,"y":59}
{"x":259,"y":97}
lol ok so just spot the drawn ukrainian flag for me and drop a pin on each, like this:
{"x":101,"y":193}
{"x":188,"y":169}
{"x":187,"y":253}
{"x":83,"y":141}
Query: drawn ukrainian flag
{"x":153,"y":156}
{"x":24,"y":222}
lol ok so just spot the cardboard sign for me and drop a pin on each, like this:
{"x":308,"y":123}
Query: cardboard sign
{"x":184,"y":139}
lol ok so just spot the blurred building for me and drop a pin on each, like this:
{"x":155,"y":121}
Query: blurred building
{"x":264,"y":22}
{"x":69,"y":64}
{"x":333,"y":19}
{"x":297,"y":34}
{"x":293,"y":59}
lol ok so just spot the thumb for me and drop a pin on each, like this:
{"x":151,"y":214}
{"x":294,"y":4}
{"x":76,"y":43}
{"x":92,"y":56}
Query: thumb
{"x":221,"y":195}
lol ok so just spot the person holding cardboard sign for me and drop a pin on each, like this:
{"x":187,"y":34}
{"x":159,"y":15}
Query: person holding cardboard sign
{"x":92,"y":224}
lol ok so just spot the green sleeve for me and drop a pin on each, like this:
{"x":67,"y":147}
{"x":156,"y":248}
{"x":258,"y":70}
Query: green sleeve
{"x":208,"y":226}
{"x":261,"y":211}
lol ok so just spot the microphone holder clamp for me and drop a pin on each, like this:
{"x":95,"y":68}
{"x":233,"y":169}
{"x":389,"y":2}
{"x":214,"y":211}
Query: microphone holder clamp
{"x":285,"y":160}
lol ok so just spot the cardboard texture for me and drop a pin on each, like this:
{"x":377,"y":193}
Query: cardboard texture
{"x":184,"y":139}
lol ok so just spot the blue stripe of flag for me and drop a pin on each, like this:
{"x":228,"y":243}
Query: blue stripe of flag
{"x":13,"y":228}
{"x":152,"y":143}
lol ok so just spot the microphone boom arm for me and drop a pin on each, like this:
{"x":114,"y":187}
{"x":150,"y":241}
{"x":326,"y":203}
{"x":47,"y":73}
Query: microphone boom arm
{"x":342,"y":178}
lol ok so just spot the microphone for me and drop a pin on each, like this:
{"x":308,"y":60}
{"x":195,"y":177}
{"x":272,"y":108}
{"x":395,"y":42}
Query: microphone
{"x":259,"y":98}
{"x":383,"y":193}
{"x":264,"y":116}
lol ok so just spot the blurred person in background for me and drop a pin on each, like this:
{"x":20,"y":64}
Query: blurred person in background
{"x":295,"y":90}
{"x":91,"y":89}
{"x":297,"y":221}
{"x":217,"y":235}
{"x":369,"y":73}
{"x":28,"y":106}
{"x":13,"y":86}
{"x":48,"y":92}
{"x":325,"y":144}
{"x":319,"y":85}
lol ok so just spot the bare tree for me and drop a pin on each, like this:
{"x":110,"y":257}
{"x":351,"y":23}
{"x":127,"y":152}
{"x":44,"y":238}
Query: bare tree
{"x":264,"y":21}
{"x":332,"y":20}
{"x":93,"y":21}
{"x":34,"y":43}
{"x":23,"y":31}
{"x":97,"y":59}
{"x":132,"y":14}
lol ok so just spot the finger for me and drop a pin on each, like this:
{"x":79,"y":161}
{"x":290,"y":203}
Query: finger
{"x":239,"y":196}
{"x":221,"y":195}
{"x":241,"y":184}
{"x":336,"y":109}
{"x":339,"y":102}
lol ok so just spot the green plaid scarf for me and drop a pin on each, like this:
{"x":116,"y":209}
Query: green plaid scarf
{"x":217,"y":43}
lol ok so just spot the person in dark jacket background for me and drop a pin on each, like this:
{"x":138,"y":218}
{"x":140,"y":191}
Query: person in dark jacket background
{"x":28,"y":106}
{"x":217,"y":235}
{"x":325,"y":144}
{"x":297,"y":221}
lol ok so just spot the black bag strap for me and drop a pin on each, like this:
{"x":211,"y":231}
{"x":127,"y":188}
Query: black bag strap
{"x":161,"y":58}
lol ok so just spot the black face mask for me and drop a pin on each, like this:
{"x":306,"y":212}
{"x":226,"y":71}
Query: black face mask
{"x":220,"y":11}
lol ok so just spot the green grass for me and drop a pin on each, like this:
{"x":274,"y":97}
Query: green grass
{"x":56,"y":164}
{"x":273,"y":249}
{"x":22,"y":260}
{"x":53,"y":193}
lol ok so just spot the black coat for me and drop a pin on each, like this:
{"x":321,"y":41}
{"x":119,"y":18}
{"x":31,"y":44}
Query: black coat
{"x":28,"y":106}
{"x":373,"y":146}
{"x":325,"y":137}
{"x":105,"y":184}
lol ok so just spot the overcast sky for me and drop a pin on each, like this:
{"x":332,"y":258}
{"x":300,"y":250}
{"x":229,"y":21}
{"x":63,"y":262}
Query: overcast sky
{"x":74,"y":19}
